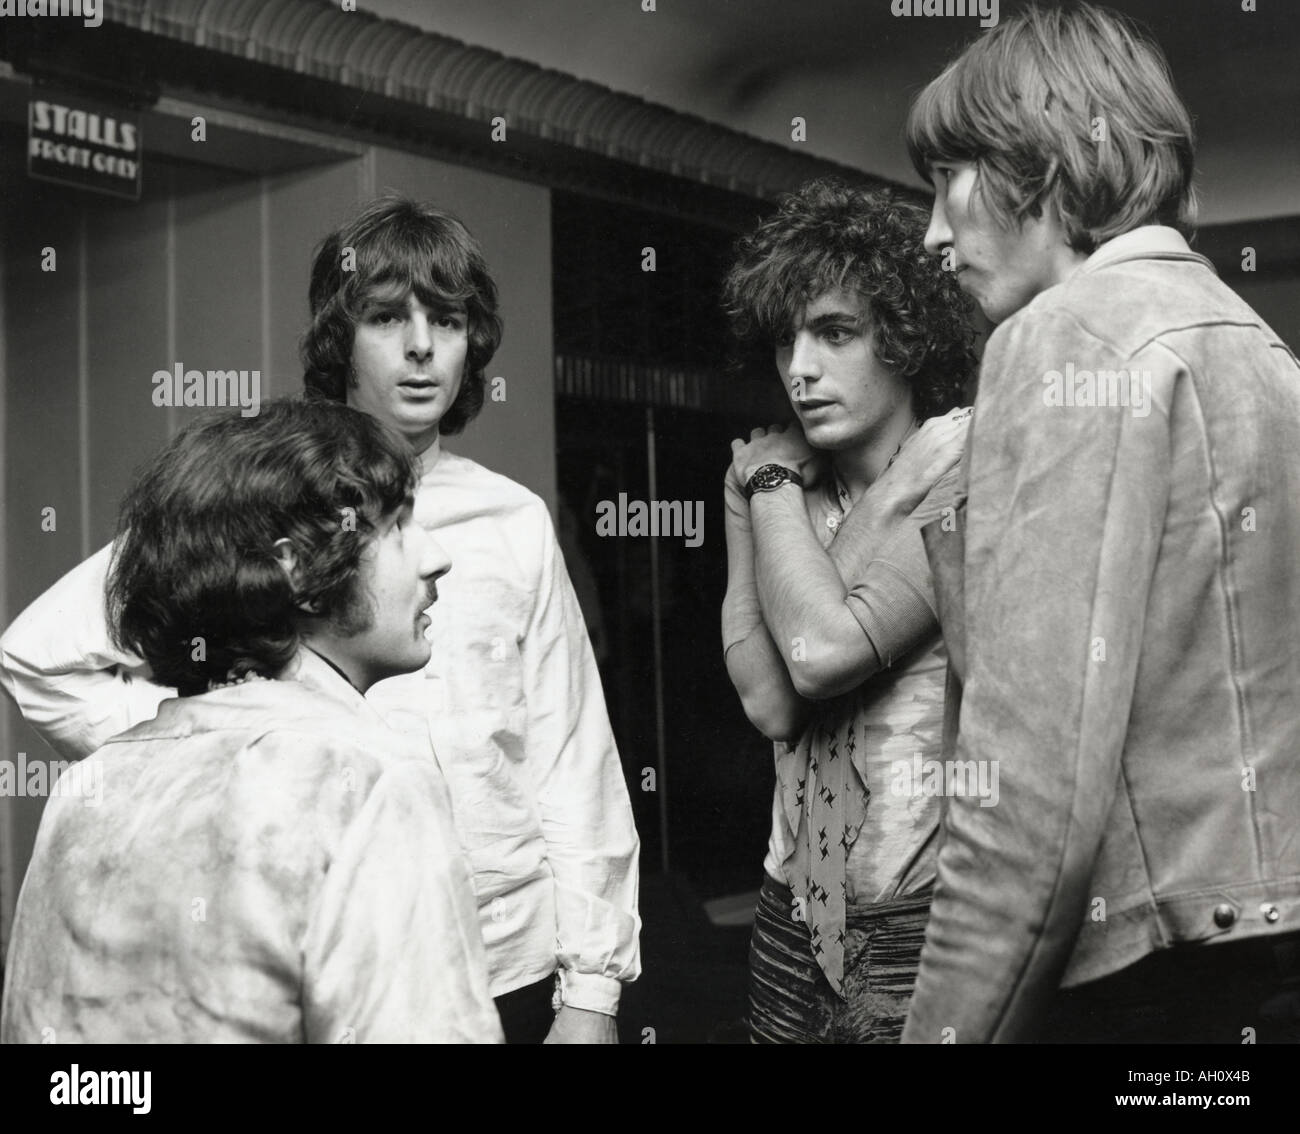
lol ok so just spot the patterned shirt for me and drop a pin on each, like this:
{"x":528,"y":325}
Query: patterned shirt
{"x":859,"y":750}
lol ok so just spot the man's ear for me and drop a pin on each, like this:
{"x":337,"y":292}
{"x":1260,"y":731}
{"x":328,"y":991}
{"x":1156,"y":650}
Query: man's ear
{"x":283,"y":549}
{"x":288,"y":560}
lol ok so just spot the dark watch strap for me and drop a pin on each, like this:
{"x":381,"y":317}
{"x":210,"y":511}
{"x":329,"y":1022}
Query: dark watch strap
{"x":769,"y":477}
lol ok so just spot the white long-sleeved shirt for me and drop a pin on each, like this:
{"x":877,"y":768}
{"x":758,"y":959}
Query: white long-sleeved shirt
{"x":263,"y":863}
{"x":510,"y":702}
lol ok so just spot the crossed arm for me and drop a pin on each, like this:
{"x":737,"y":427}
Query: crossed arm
{"x":803,"y":623}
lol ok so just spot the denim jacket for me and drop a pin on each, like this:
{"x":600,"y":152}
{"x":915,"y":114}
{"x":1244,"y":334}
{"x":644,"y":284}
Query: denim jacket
{"x":1120,"y":596}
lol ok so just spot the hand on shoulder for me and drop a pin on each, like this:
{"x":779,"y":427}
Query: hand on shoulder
{"x":926,"y":456}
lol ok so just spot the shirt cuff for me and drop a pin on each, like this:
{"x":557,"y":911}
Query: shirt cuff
{"x":590,"y":991}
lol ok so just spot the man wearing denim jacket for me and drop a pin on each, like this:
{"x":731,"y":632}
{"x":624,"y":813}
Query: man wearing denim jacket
{"x":1121,"y":589}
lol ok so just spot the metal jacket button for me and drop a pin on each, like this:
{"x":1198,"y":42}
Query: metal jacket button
{"x":1270,"y":912}
{"x":1224,"y":915}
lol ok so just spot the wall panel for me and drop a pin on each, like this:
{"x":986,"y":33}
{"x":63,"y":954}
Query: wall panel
{"x":43,"y":457}
{"x":301,"y":208}
{"x":219,"y":268}
{"x":128,"y":338}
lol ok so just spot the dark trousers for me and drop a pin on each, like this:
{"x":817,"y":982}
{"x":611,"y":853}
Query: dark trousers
{"x":526,"y":1013}
{"x":1237,"y":992}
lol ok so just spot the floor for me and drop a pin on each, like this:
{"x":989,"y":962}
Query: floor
{"x":692,"y":988}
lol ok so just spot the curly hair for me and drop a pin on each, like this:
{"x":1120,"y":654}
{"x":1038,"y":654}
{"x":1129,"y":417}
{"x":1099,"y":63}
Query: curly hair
{"x":195,"y":585}
{"x":1071,"y":108}
{"x":420,"y":249}
{"x":828,"y":235}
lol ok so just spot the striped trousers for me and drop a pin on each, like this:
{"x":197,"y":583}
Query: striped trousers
{"x":790,"y":1000}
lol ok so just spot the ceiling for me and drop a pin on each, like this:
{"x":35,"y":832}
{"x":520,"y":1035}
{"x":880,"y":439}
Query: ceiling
{"x":850,"y":68}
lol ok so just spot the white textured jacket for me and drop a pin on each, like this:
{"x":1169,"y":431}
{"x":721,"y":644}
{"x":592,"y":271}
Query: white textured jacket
{"x":265,"y":863}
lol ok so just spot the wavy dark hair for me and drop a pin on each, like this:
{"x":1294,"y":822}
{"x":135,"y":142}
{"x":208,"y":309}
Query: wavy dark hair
{"x":829,"y":235}
{"x":1069,"y":108}
{"x":194,"y":556}
{"x":417,"y":248}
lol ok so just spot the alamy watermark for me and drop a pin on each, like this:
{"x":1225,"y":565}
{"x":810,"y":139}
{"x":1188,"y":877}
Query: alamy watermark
{"x":1091,"y":388}
{"x":89,"y":12}
{"x":36,"y":779}
{"x":987,"y":10}
{"x":975,"y":779}
{"x":181,"y":387}
{"x":683,"y":519}
{"x":101,"y":1088}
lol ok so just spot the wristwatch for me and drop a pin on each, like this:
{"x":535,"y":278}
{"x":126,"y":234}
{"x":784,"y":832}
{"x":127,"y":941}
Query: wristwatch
{"x":769,"y":477}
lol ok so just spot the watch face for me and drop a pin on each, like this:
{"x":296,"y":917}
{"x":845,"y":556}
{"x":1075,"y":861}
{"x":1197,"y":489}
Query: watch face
{"x":772,"y":476}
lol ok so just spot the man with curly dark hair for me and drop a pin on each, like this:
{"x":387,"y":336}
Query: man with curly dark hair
{"x":829,"y":624}
{"x":269,"y":862}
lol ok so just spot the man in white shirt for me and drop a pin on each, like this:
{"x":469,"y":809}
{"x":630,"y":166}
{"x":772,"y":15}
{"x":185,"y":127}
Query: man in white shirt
{"x":404,"y":320}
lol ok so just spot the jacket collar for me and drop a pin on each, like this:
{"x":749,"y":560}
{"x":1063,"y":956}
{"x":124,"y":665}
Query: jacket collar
{"x":309,"y":669}
{"x":293,"y":697}
{"x":1149,"y":242}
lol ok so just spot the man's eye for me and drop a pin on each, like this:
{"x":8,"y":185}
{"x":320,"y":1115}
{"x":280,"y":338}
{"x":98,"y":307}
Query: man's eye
{"x":837,"y":336}
{"x":384,"y":318}
{"x":452,"y":322}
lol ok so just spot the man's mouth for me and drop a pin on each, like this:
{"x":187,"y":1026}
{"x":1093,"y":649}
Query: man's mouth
{"x":418,"y":385}
{"x":422,"y":619}
{"x":806,"y":405}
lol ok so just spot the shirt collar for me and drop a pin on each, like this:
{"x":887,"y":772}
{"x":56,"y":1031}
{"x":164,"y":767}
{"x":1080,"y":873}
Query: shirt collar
{"x":183,"y":716}
{"x":1148,"y":242}
{"x":311,"y":670}
{"x":431,"y":456}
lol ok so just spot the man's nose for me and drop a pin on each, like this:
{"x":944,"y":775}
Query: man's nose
{"x":419,"y":337}
{"x":434,"y":560}
{"x":804,"y":360}
{"x":938,"y":236}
